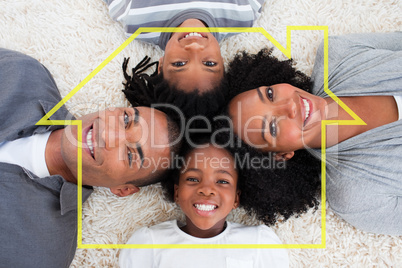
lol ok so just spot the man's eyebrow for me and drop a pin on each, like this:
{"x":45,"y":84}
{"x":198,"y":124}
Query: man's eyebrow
{"x":140,"y":153}
{"x":136,"y":115}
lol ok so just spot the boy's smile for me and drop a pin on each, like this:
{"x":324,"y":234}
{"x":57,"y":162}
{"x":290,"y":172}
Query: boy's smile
{"x":192,"y":60}
{"x":207,"y":191}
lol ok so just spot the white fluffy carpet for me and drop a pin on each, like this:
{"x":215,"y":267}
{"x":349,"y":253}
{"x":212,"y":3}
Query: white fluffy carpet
{"x":73,"y":37}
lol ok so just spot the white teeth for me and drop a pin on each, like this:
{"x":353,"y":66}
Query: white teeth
{"x":307,"y":108}
{"x":193,"y":34}
{"x":89,"y":142}
{"x":203,"y":207}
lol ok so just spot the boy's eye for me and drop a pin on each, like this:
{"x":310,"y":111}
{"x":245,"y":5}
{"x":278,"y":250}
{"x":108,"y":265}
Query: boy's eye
{"x":192,"y":179}
{"x":209,"y":63}
{"x":269,"y":92}
{"x":179,"y":63}
{"x":126,"y":119}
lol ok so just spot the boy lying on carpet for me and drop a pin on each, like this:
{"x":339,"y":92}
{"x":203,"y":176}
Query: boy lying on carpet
{"x":190,"y":75}
{"x":207,"y":188}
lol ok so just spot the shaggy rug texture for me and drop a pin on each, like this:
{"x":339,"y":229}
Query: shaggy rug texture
{"x":73,"y":37}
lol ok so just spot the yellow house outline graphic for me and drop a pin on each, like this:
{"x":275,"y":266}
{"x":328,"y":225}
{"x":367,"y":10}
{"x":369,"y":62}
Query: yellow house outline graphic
{"x":287,"y":52}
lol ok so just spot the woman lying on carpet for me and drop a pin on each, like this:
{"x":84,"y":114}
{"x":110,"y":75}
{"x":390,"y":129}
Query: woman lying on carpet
{"x":190,"y":75}
{"x":207,"y":187}
{"x":363,"y":162}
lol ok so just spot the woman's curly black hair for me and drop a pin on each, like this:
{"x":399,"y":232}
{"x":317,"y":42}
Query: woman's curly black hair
{"x":248,"y":71}
{"x":284,"y":188}
{"x":154,"y":89}
{"x":272,"y":189}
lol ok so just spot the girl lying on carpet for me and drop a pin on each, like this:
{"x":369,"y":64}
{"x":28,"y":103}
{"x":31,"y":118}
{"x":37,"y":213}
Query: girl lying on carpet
{"x":363,"y":161}
{"x":207,"y":188}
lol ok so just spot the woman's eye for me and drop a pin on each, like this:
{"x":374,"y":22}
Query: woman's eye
{"x":273,"y":128}
{"x":179,"y":63}
{"x":209,"y":63}
{"x":126,"y":119}
{"x":269,"y":92}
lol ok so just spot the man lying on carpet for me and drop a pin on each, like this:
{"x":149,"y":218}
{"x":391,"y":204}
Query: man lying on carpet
{"x":38,"y":164}
{"x":190,"y":75}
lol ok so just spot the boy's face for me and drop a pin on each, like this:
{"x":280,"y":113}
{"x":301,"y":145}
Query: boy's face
{"x":192,"y":60}
{"x":207,"y":190}
{"x":119,"y":145}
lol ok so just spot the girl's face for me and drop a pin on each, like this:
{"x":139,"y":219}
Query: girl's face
{"x":207,"y":190}
{"x":279,"y":118}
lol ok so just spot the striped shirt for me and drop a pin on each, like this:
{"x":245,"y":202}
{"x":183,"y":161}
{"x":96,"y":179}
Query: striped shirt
{"x":134,"y":14}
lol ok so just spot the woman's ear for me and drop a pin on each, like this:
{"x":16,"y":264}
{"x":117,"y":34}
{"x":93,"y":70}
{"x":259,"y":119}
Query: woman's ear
{"x":236,"y":203}
{"x":160,"y":65}
{"x":176,"y":194}
{"x":124,"y":190}
{"x":283,"y":156}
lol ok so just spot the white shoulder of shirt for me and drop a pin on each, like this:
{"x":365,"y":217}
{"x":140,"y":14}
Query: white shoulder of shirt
{"x":398,"y":100}
{"x":28,"y":152}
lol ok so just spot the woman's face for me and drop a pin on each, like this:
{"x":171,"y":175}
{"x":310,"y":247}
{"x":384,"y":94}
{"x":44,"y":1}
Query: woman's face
{"x":278,"y":118}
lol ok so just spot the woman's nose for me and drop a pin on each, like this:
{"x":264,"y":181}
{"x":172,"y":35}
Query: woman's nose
{"x":286,"y":108}
{"x":113,"y":134}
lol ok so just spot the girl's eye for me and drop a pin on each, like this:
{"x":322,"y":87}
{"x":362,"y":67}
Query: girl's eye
{"x":126,"y":119}
{"x":209,"y":63}
{"x":273,"y":129}
{"x":192,"y":179}
{"x":223,"y":182}
{"x":179,"y":63}
{"x":269,"y":92}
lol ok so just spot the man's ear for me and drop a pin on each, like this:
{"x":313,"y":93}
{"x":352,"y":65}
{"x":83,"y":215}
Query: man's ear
{"x":283,"y":156}
{"x":124,"y":190}
{"x":237,"y":199}
{"x":176,"y":194}
{"x":160,"y":65}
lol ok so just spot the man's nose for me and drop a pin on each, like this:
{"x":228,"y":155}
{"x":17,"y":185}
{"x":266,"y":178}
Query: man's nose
{"x":194,"y":47}
{"x":113,"y":134}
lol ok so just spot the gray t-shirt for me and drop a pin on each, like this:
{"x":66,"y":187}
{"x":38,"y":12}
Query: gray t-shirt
{"x":171,"y":13}
{"x":364,"y":173}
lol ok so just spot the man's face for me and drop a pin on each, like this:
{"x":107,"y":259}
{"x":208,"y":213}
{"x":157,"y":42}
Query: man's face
{"x":192,"y":60}
{"x":119,"y":145}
